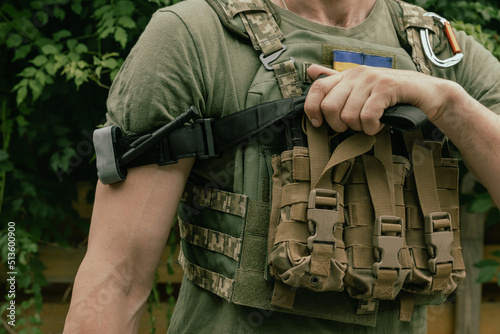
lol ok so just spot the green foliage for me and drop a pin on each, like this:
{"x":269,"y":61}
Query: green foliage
{"x":489,"y":269}
{"x":62,"y":57}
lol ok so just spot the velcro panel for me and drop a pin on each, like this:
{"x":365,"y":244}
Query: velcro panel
{"x":361,"y":214}
{"x":360,"y":235}
{"x":447,"y":178}
{"x":301,"y":170}
{"x":362,"y":257}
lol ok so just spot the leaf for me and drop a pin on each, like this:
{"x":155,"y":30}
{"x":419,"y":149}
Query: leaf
{"x":21,"y":52}
{"x":80,"y":77}
{"x":126,"y":22}
{"x":121,"y":37}
{"x":59,"y":13}
{"x":21,"y":95}
{"x":110,"y":63}
{"x":49,"y":49}
{"x":81,"y":48}
{"x":71,"y":43}
{"x":77,"y":8}
{"x":39,"y":60}
{"x":486,"y":274}
{"x":3,"y":155}
{"x":482,"y":203}
{"x":28,"y":72}
{"x":14,"y":40}
{"x":57,"y":36}
{"x":36,"y":88}
{"x":486,"y":263}
{"x":21,"y":121}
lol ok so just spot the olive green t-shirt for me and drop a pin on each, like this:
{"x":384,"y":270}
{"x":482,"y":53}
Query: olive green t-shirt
{"x":186,"y":57}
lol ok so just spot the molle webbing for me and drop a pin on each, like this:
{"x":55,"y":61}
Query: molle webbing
{"x":408,"y":26}
{"x":259,"y":22}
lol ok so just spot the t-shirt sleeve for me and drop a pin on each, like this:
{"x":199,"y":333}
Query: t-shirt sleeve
{"x":160,"y":78}
{"x":479,"y":73}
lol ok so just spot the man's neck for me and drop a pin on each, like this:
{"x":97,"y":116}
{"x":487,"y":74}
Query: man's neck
{"x":336,"y":13}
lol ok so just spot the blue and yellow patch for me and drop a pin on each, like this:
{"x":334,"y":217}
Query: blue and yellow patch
{"x":343,"y":60}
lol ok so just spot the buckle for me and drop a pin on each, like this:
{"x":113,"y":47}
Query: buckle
{"x":323,"y":215}
{"x":438,"y":242}
{"x":266,"y":60}
{"x":108,"y":166}
{"x":208,"y":135}
{"x":386,"y":247}
{"x":427,"y":46}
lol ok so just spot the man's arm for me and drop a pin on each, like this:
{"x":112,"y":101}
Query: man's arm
{"x":130,"y":225}
{"x":356,"y":99}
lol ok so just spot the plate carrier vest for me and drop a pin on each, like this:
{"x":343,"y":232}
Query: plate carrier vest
{"x":338,"y":229}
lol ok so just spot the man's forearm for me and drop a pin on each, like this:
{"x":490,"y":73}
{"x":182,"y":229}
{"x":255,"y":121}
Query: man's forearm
{"x":475,"y":131}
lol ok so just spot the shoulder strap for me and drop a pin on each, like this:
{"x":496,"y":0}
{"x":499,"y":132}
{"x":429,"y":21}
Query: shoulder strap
{"x":254,"y":19}
{"x":408,"y":20}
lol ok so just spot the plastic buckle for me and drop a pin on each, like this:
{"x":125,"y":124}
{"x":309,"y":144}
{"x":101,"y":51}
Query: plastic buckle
{"x":438,"y":242}
{"x":427,"y":46}
{"x":387,"y":247}
{"x":266,"y":60}
{"x":208,"y":134}
{"x":323,"y":215}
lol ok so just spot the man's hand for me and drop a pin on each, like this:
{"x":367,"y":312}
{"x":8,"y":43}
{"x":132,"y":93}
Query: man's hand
{"x":357,"y":98}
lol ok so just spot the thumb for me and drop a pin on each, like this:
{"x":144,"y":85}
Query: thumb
{"x":314,"y":71}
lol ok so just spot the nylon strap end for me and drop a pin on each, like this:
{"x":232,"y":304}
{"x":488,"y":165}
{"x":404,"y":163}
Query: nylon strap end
{"x":108,"y":168}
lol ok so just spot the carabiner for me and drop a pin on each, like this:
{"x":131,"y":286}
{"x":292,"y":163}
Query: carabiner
{"x":426,"y":44}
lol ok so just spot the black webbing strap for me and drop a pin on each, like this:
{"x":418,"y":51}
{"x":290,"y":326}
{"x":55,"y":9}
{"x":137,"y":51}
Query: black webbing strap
{"x":208,"y":138}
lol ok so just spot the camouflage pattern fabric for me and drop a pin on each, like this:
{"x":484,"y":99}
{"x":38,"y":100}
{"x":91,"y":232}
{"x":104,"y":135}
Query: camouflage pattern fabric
{"x":259,"y":24}
{"x":212,"y":240}
{"x":219,"y":200}
{"x":217,"y":283}
{"x":288,"y":79}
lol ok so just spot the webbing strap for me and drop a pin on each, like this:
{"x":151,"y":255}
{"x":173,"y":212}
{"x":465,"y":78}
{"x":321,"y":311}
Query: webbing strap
{"x":275,"y":205}
{"x":356,"y":145}
{"x":425,"y":180}
{"x":209,"y":280}
{"x":219,"y":200}
{"x":319,"y":153}
{"x":412,"y":18}
{"x":209,"y":239}
{"x":263,"y":30}
{"x":288,"y":80}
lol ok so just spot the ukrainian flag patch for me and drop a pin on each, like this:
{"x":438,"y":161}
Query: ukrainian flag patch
{"x":343,"y":60}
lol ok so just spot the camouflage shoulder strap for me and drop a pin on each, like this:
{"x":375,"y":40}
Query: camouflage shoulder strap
{"x":256,"y":20}
{"x":409,"y":20}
